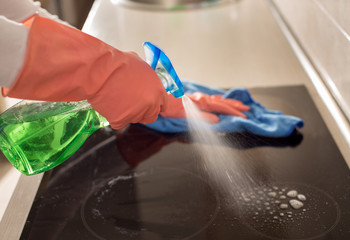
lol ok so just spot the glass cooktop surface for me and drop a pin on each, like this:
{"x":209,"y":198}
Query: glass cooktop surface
{"x":140,"y":184}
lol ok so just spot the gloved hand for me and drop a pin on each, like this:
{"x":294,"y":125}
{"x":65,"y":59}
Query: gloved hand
{"x":65,"y":64}
{"x":208,"y":104}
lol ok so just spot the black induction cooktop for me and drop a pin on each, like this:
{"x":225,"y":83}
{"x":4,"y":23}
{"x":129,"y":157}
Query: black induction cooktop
{"x":140,"y":184}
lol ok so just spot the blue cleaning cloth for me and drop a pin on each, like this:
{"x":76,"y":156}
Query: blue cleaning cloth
{"x":260,"y":121}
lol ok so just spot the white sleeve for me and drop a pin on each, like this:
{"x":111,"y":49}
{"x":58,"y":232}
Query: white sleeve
{"x":14,"y":35}
{"x":13,"y":43}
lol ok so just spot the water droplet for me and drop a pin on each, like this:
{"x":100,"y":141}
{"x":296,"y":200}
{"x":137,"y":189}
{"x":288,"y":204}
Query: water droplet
{"x":296,"y":204}
{"x":292,"y":193}
{"x":272,"y":194}
{"x":283,"y":206}
{"x":301,"y":197}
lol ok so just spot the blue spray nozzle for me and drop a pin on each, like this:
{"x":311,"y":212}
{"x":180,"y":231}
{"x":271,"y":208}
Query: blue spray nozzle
{"x":161,"y":64}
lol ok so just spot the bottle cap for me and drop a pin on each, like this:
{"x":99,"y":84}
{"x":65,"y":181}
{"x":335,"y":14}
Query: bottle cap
{"x":161,"y":64}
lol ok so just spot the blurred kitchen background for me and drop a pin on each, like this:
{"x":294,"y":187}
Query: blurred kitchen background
{"x":72,"y":11}
{"x":320,"y":27}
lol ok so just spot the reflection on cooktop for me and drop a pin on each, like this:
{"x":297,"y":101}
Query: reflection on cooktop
{"x":139,"y":184}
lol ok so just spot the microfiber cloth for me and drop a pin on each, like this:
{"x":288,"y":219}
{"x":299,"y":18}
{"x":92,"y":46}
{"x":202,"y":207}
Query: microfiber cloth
{"x":260,"y":121}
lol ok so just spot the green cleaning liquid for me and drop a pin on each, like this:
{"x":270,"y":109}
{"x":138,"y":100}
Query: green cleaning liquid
{"x":37,"y":136}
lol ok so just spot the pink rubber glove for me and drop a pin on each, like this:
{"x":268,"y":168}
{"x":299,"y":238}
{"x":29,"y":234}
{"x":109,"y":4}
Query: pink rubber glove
{"x":65,"y":64}
{"x":209,"y":104}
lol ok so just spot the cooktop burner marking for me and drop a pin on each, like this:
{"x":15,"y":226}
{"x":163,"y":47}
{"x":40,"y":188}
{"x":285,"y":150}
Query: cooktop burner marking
{"x":149,"y":204}
{"x":304,"y":212}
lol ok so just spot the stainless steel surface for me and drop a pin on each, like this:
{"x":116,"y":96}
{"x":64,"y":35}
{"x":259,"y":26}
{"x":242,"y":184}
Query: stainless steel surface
{"x":170,"y":4}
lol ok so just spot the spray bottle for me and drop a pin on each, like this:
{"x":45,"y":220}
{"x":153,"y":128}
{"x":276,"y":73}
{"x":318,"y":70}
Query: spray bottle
{"x":37,"y":136}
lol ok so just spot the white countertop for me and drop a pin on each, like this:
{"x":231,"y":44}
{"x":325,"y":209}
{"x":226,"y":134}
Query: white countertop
{"x":228,"y":45}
